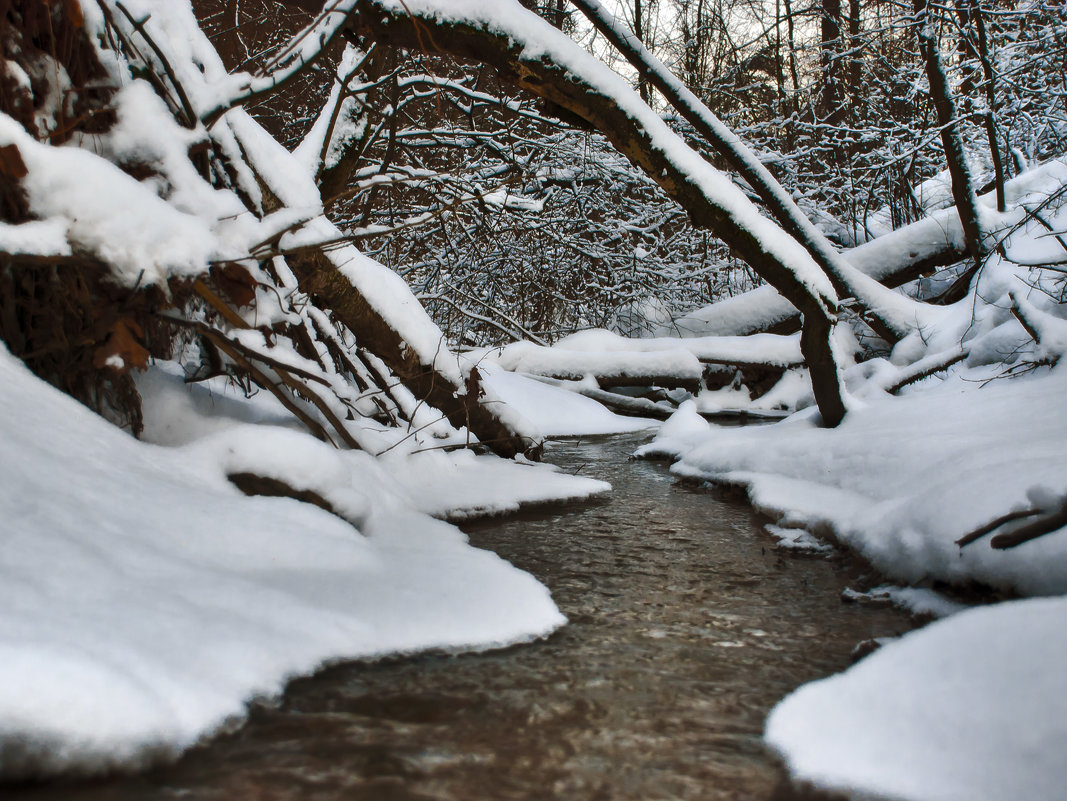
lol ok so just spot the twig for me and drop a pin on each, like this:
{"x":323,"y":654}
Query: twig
{"x":982,"y":530}
{"x":264,"y":381}
{"x":284,"y":373}
{"x":919,"y":372}
{"x":214,"y":334}
{"x":191,"y":118}
{"x":1045,"y":525}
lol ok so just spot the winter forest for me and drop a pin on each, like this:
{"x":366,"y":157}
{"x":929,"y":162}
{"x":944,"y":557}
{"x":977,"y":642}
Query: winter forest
{"x":533,"y":399}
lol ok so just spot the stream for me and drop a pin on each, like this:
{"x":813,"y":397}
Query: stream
{"x":686,"y":626}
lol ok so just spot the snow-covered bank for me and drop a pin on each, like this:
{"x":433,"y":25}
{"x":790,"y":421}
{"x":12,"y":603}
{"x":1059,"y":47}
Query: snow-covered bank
{"x":969,"y":707}
{"x":145,"y":600}
{"x":902,"y":479}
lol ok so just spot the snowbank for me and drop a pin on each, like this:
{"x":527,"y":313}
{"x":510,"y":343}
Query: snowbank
{"x":145,"y":600}
{"x":967,"y":709}
{"x":902,"y":479}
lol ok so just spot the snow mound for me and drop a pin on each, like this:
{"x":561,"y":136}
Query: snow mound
{"x":145,"y":600}
{"x":947,"y":713}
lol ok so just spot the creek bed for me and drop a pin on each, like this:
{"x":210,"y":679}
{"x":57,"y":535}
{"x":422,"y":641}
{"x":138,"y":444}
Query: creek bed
{"x":686,"y":626}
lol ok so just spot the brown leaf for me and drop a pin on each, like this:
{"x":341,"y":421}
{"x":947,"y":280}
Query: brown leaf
{"x":236,"y":283}
{"x":11,"y":164}
{"x":122,"y":350}
{"x":139,"y":171}
{"x":474,"y":385}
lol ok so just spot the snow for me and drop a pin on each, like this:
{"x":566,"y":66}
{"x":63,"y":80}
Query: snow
{"x":684,"y":424}
{"x":107,"y":214}
{"x":948,"y":713}
{"x":798,"y":540}
{"x":758,"y":309}
{"x":919,"y":601}
{"x":146,"y":600}
{"x":462,"y":485}
{"x":769,"y":349}
{"x":37,"y":237}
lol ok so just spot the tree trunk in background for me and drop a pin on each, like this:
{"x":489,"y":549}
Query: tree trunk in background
{"x":963,"y":191}
{"x":965,"y":49}
{"x":830,"y":97}
{"x":691,"y":15}
{"x":855,"y":61}
{"x":978,"y":17}
{"x":639,"y":32}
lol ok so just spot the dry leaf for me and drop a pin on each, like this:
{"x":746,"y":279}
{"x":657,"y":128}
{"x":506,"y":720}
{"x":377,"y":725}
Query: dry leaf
{"x":236,"y":283}
{"x":11,"y":164}
{"x":122,"y":350}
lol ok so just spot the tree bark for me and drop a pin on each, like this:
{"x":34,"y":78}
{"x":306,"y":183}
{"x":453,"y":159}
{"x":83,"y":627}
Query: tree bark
{"x":990,"y":97}
{"x":830,"y":100}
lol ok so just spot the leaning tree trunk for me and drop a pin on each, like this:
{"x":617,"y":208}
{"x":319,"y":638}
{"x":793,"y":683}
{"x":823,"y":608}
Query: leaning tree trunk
{"x":330,"y":275}
{"x":849,"y":282}
{"x":653,"y":149}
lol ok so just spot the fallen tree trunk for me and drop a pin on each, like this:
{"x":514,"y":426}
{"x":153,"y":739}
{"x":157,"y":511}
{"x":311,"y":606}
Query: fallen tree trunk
{"x":630,"y":406}
{"x":894,"y":259}
{"x":321,"y":278}
{"x":616,"y":361}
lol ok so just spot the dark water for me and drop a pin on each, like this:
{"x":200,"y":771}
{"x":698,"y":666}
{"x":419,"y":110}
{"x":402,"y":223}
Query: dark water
{"x":686,"y":627}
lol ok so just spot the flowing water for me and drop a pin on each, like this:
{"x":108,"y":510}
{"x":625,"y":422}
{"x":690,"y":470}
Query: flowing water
{"x":686,"y":625}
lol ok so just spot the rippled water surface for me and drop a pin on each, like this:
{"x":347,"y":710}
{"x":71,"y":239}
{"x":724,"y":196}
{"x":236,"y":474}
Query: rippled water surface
{"x":686,"y":625}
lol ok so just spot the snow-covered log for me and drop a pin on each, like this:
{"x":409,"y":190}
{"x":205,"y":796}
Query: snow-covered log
{"x":667,"y":362}
{"x":893,"y":259}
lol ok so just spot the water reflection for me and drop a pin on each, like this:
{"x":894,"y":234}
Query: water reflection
{"x":686,"y":626}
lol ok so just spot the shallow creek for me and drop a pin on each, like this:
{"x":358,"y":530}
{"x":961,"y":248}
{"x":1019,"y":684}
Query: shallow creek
{"x":686,"y":625}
